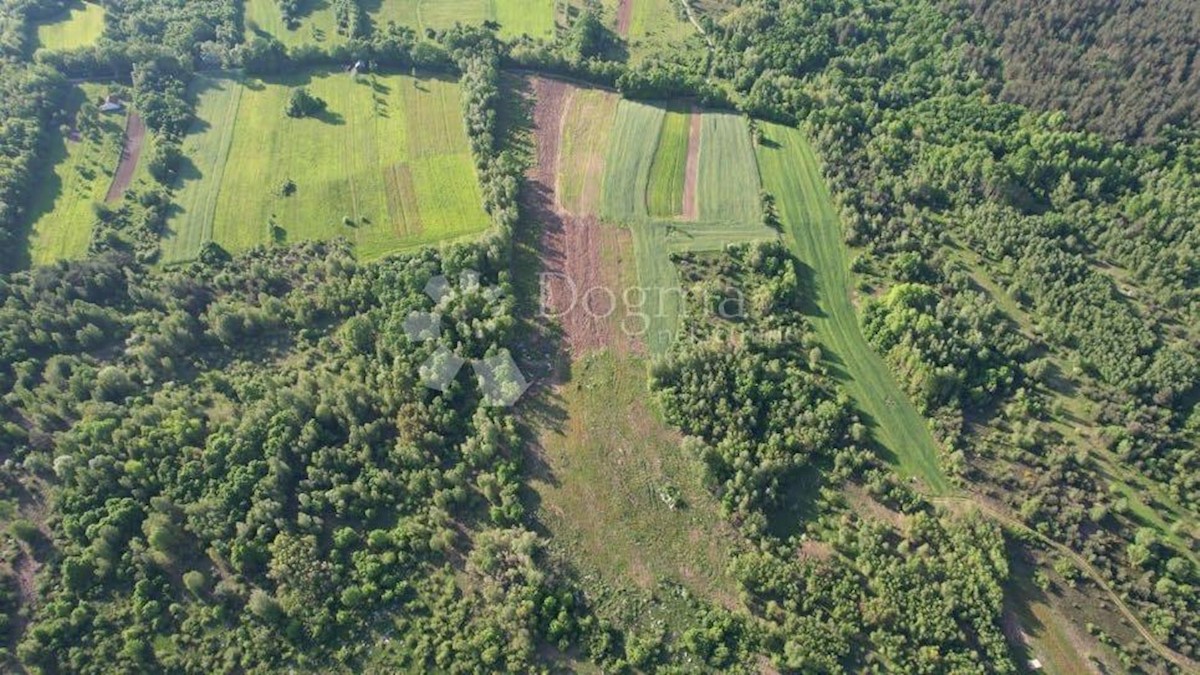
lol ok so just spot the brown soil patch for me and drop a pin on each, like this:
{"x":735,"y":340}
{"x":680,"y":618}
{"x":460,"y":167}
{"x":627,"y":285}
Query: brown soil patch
{"x":575,"y":291}
{"x":135,"y":136}
{"x":865,"y":506}
{"x":691,"y":175}
{"x":624,"y":17}
{"x":812,"y":549}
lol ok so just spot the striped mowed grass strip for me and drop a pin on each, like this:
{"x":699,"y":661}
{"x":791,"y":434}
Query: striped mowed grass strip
{"x":207,"y":150}
{"x":402,"y":200}
{"x":728,"y":189}
{"x":664,"y":194}
{"x":630,"y":154}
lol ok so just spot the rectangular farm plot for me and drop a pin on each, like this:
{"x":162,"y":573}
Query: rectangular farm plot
{"x":729,"y":184}
{"x":582,"y":147}
{"x":630,"y":155}
{"x":386,"y":166}
{"x":516,"y":17}
{"x":664,"y":196}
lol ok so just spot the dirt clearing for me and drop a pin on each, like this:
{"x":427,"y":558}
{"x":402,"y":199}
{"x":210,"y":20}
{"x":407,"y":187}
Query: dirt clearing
{"x":691,"y":176}
{"x":135,"y":136}
{"x":575,"y":290}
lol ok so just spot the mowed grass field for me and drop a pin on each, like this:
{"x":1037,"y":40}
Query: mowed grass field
{"x":317,"y":24}
{"x":80,"y":26}
{"x":516,"y":17}
{"x":791,"y":172}
{"x":664,"y":194}
{"x":630,"y":155}
{"x":78,"y":171}
{"x":386,"y":166}
{"x":729,"y":183}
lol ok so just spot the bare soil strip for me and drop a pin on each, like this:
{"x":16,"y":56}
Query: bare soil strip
{"x":574,"y":290}
{"x":135,"y":135}
{"x":624,"y":17}
{"x":691,"y":176}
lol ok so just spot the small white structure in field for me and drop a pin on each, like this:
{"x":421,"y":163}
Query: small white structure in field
{"x":1035,"y":664}
{"x":112,"y":103}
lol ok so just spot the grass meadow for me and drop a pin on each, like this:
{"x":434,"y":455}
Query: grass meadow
{"x":664,"y":194}
{"x":317,"y":23}
{"x":791,"y":172}
{"x":78,"y":171}
{"x":80,"y":26}
{"x":516,"y":17}
{"x":386,"y":166}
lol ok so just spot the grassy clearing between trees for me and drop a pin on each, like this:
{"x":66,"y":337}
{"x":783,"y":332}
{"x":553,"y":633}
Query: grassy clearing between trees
{"x":386,"y":166}
{"x":317,"y":24}
{"x":78,"y":170}
{"x":80,"y":26}
{"x":516,"y":17}
{"x":667,"y":171}
{"x":791,"y":172}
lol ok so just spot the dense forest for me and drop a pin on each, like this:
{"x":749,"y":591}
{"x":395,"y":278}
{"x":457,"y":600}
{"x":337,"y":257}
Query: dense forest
{"x":1123,"y":68}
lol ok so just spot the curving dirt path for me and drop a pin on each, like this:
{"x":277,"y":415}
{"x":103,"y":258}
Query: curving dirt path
{"x":135,"y":136}
{"x":999,"y":515}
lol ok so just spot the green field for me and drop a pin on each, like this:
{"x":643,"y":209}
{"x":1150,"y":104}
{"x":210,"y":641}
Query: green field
{"x":387,"y":166}
{"x":80,"y":26}
{"x":791,"y":172}
{"x":655,"y":24}
{"x":317,"y":23}
{"x":664,"y":195}
{"x":630,"y":155}
{"x":516,"y":17}
{"x":78,"y":173}
{"x":728,"y":187}
{"x":729,"y":211}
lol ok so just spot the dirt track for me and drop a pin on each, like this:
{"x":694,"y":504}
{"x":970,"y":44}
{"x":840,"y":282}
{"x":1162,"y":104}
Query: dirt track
{"x":575,"y":291}
{"x":135,"y":136}
{"x":691,"y":175}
